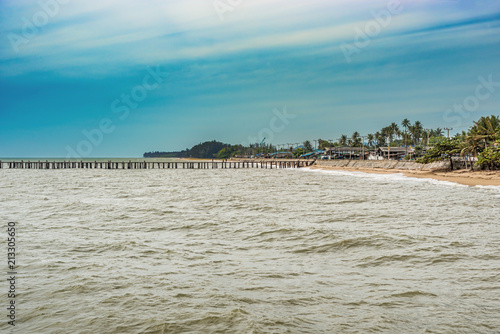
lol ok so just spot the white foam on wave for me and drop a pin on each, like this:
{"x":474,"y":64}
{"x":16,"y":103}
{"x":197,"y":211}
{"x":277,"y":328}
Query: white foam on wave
{"x":385,"y":177}
{"x":494,"y":188}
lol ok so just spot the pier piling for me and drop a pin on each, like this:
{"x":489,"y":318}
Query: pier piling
{"x":121,"y":165}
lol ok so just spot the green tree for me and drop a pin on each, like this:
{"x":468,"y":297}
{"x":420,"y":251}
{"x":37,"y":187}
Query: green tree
{"x":322,"y":144}
{"x":406,"y":123}
{"x":298,"y":152}
{"x":380,"y":139}
{"x":444,"y":150}
{"x":416,"y":131}
{"x":371,"y":139}
{"x":225,"y":153}
{"x":437,"y":133}
{"x":394,"y":130}
{"x":485,"y":130}
{"x":307,"y":146}
{"x":489,"y":158}
{"x":343,"y":140}
{"x":356,"y":139}
{"x":436,"y":140}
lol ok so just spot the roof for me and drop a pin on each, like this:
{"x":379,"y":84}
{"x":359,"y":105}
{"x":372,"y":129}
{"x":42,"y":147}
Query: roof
{"x":345,"y":149}
{"x":396,"y":149}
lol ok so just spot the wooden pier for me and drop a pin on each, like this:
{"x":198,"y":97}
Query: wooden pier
{"x":153,"y":165}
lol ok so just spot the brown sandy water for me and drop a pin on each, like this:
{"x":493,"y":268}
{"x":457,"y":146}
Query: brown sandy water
{"x":251,"y":251}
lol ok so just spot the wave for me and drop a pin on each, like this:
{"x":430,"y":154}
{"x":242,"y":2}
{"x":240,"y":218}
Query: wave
{"x":385,"y":177}
{"x":494,"y":188}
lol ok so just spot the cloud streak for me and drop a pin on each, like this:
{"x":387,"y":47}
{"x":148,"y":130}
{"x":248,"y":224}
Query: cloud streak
{"x":129,"y":32}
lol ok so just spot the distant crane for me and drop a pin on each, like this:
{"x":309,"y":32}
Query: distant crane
{"x":262,"y":143}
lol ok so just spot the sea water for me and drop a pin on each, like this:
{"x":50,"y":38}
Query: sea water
{"x":250,"y":251}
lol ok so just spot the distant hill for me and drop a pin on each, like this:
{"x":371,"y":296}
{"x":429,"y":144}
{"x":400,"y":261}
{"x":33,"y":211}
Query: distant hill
{"x":206,"y":150}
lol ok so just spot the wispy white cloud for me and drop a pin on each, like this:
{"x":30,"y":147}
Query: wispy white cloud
{"x":86,"y":33}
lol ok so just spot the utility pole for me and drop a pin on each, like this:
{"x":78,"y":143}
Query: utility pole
{"x":448,"y":129}
{"x":363,"y":145}
{"x":428,"y":131}
{"x":388,"y":148}
{"x":406,"y":142}
{"x":331,"y":147}
{"x":340,"y":145}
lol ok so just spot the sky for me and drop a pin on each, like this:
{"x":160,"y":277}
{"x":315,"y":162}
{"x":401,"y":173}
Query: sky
{"x":117,"y":78}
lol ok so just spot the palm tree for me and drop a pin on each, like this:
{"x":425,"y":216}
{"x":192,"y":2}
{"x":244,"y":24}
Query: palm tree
{"x":385,"y":131}
{"x":377,"y":138}
{"x":486,"y":129}
{"x":343,"y":140}
{"x":469,"y":147}
{"x":400,"y":134}
{"x":370,"y":138}
{"x":388,"y":132}
{"x":356,"y":139}
{"x":416,"y":131}
{"x":406,"y":123}
{"x":394,"y":130}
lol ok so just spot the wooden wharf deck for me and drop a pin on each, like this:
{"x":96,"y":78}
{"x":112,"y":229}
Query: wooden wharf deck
{"x":153,"y":165}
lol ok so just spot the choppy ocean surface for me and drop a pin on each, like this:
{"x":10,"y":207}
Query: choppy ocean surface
{"x":250,"y":251}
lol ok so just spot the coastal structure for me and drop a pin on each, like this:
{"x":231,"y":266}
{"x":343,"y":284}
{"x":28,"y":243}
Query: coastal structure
{"x":155,"y":165}
{"x":346,"y":152}
{"x":393,"y":153}
{"x":361,"y":153}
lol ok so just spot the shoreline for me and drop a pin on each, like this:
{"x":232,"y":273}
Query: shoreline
{"x":464,"y":177}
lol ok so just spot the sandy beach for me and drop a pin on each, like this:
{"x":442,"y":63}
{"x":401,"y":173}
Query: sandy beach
{"x":465,"y":177}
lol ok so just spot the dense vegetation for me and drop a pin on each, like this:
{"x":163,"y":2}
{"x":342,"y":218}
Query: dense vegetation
{"x":481,"y":141}
{"x":158,"y":154}
{"x":393,"y":135}
{"x":206,"y":150}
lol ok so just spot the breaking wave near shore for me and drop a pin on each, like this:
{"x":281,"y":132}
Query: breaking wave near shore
{"x":251,"y":250}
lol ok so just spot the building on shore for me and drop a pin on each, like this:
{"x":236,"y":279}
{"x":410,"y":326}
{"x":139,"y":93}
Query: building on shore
{"x":351,"y":153}
{"x":393,"y":153}
{"x":360,"y":153}
{"x":313,"y":155}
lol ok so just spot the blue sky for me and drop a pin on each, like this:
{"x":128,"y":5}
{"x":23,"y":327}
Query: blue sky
{"x":230,"y":66}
